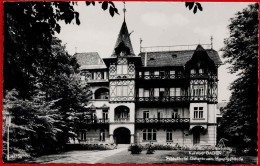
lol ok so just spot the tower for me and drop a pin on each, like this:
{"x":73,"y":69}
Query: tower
{"x":122,"y":74}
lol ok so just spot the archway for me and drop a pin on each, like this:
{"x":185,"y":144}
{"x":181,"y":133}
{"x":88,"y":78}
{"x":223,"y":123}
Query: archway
{"x":122,"y":114}
{"x":122,"y":135}
{"x":102,"y":93}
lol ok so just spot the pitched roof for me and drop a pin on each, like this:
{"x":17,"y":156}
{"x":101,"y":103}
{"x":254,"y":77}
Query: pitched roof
{"x":124,"y":37}
{"x":175,"y":58}
{"x":89,"y":60}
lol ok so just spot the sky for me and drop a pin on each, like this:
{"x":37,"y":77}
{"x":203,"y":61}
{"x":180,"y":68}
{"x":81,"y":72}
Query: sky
{"x":158,"y":24}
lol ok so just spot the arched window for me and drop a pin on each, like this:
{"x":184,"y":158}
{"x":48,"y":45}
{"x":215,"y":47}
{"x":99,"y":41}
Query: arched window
{"x":102,"y":93}
{"x":149,"y":135}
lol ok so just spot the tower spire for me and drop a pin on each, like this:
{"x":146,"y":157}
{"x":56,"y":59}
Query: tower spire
{"x":124,"y":10}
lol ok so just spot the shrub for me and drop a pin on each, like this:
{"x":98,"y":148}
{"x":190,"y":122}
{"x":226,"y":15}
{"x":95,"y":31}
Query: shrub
{"x":88,"y":147}
{"x":150,"y":149}
{"x":135,"y":149}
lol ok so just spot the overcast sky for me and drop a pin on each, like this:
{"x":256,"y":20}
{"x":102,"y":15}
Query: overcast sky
{"x":158,"y":24}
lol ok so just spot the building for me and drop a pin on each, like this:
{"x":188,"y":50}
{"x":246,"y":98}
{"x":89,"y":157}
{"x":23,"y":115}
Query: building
{"x":164,"y":97}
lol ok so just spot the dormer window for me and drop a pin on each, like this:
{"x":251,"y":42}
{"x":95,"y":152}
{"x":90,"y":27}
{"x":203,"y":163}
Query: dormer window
{"x":192,"y":71}
{"x":151,"y":59}
{"x":201,"y":71}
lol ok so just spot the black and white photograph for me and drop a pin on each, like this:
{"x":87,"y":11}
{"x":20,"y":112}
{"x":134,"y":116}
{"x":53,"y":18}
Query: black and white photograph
{"x":88,"y":82}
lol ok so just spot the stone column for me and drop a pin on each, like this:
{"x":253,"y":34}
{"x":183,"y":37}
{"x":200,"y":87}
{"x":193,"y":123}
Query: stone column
{"x":132,"y":139}
{"x":111,"y":138}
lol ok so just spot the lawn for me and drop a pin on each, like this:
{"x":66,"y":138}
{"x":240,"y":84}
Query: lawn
{"x":172,"y":157}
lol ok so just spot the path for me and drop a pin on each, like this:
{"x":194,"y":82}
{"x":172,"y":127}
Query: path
{"x":80,"y":156}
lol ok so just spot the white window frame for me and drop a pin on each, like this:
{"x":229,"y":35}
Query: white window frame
{"x":169,"y":135}
{"x":149,"y":133}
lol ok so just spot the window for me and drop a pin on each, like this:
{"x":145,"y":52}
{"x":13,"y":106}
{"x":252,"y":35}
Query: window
{"x":169,"y":135}
{"x":172,"y":91}
{"x":146,"y":73}
{"x":140,"y":74}
{"x":175,"y":113}
{"x":149,"y":135}
{"x":195,"y":112}
{"x":105,"y":114}
{"x":146,"y":114}
{"x":198,"y":90}
{"x":172,"y":72}
{"x":198,"y":112}
{"x":178,"y":91}
{"x":192,"y":71}
{"x":201,"y":71}
{"x":146,"y":93}
{"x":121,"y":69}
{"x":162,"y":92}
{"x":159,"y":115}
{"x":156,"y":73}
{"x":122,"y":90}
{"x":141,"y":92}
{"x":102,"y":135}
{"x":83,"y":135}
{"x":102,"y":93}
{"x":156,"y":92}
{"x":162,"y":74}
{"x":125,"y":90}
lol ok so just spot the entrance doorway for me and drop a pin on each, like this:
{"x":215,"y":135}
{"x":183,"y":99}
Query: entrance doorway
{"x":196,"y":135}
{"x":122,"y":136}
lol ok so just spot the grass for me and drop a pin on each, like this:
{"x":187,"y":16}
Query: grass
{"x":159,"y":157}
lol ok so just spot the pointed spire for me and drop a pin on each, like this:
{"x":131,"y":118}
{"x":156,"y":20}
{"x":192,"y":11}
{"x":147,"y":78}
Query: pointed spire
{"x":123,"y":42}
{"x":124,"y":10}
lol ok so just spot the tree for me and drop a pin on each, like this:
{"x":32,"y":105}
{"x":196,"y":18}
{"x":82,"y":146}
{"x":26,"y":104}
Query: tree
{"x":29,"y":28}
{"x":239,"y":123}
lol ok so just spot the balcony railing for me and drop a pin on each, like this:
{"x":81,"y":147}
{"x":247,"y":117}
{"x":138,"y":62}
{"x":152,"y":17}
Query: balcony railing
{"x":162,"y":120}
{"x":163,"y":99}
{"x":119,"y":120}
{"x":166,"y":76}
{"x":96,"y":121}
{"x":176,"y":76}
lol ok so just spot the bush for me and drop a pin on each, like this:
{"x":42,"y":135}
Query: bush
{"x":88,"y":147}
{"x":135,"y":149}
{"x":150,"y":149}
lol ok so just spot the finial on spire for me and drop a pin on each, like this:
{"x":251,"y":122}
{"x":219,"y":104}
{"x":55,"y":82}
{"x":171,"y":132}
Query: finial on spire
{"x":124,"y":10}
{"x":211,"y":42}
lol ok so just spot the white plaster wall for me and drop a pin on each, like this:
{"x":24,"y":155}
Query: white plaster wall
{"x":210,"y":137}
{"x":212,"y":111}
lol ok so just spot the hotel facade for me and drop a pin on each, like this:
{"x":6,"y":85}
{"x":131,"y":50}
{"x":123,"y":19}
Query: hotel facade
{"x":165,"y":96}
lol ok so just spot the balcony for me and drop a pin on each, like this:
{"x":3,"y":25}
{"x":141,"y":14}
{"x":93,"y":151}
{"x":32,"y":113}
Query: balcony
{"x":162,"y":120}
{"x":161,"y":77}
{"x":122,"y":120}
{"x":96,"y":121}
{"x":167,"y":99}
{"x":177,"y":76}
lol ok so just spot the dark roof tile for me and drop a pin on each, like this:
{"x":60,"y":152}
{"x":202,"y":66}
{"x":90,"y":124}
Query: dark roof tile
{"x":175,"y":58}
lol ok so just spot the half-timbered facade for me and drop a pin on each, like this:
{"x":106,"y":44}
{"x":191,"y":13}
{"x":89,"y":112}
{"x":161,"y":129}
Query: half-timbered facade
{"x":164,"y":97}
